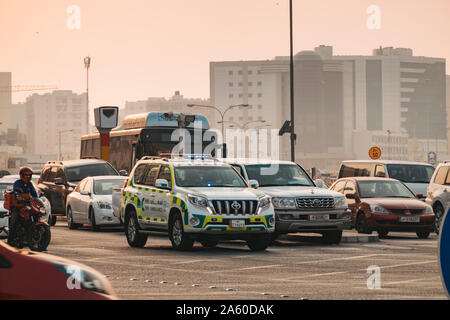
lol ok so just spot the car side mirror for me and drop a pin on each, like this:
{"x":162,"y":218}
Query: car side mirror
{"x":419,"y":195}
{"x":123,"y":173}
{"x":162,"y":184}
{"x":59,"y":181}
{"x":253,"y":184}
{"x":85,"y":193}
{"x":350,"y":196}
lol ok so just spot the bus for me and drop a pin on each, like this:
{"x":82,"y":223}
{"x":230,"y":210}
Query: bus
{"x":150,"y":134}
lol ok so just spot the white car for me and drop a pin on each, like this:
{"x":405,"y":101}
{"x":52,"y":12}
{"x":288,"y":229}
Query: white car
{"x":301,"y":205}
{"x":194,"y":199}
{"x":438,"y":193}
{"x":7,"y":183}
{"x":90,"y":202}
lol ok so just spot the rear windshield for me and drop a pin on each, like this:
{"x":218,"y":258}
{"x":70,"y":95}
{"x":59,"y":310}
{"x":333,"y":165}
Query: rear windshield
{"x":410,"y":173}
{"x":3,"y":188}
{"x":104,"y":187}
{"x":75,"y":174}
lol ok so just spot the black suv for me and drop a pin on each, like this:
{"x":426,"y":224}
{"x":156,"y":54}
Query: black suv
{"x":59,"y":178}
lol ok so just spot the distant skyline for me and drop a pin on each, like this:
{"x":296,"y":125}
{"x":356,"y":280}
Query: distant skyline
{"x":147,"y":48}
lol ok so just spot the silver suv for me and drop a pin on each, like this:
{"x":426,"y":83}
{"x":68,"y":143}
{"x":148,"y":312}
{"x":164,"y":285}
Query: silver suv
{"x":438,"y":193}
{"x":300,"y":206}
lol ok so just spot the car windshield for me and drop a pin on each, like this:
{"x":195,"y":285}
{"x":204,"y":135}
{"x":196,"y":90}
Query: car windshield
{"x":75,"y":174}
{"x":410,"y":173}
{"x":104,"y":187}
{"x":203,"y":176}
{"x":3,"y":188}
{"x":284,"y":175}
{"x":383,"y":189}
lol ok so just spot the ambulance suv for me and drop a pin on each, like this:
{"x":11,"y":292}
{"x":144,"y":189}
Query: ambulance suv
{"x":194,"y":198}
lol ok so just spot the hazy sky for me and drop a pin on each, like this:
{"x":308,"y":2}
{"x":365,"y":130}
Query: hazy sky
{"x":147,"y":48}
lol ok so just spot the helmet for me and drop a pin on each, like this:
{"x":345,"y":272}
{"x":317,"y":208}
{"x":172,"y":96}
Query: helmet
{"x":25,"y":174}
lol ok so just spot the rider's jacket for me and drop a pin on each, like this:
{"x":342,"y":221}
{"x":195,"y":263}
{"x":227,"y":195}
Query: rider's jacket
{"x":21,"y":187}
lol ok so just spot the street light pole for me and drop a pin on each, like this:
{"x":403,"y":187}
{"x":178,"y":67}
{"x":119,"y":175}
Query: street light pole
{"x":87,"y":64}
{"x":292,"y":82}
{"x":222,"y":115}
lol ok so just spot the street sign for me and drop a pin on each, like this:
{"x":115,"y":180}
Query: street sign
{"x":375,"y":153}
{"x":444,"y":252}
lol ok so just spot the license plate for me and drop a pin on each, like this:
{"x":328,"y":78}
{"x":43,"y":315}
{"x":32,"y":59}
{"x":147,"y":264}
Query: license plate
{"x":237,"y":223}
{"x":409,"y":219}
{"x":319,"y":217}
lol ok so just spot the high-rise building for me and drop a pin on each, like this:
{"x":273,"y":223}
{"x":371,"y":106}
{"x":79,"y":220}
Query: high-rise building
{"x":55,"y":123}
{"x":323,"y":102}
{"x":5,"y":101}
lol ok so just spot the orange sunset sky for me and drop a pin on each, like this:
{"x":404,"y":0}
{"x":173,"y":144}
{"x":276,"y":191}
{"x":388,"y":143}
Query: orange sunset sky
{"x":147,"y":48}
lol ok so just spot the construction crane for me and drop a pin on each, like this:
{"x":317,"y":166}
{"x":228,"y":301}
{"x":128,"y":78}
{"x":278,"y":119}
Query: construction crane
{"x":21,"y":88}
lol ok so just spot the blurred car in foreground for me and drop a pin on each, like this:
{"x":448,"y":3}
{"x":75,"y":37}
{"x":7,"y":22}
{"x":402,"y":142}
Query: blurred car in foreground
{"x":384,"y":205}
{"x":90,"y":202}
{"x":27,"y":275}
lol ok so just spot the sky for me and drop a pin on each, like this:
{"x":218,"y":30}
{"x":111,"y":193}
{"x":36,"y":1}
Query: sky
{"x":148,"y":48}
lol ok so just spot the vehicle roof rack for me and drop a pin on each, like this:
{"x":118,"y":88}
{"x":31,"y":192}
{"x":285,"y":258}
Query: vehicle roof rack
{"x":54,"y":162}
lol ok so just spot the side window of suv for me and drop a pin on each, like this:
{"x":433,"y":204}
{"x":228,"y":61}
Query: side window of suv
{"x":164,"y":173}
{"x":441,"y":175}
{"x":150,"y":177}
{"x":139,"y":174}
{"x":379,"y":171}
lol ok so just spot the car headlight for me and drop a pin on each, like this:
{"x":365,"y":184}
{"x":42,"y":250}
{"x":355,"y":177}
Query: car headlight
{"x":378,"y":209}
{"x":198,"y":201}
{"x":284,"y":203}
{"x":428,"y":210}
{"x":264,"y":203}
{"x":79,"y":277}
{"x":340,"y":203}
{"x":104,"y":205}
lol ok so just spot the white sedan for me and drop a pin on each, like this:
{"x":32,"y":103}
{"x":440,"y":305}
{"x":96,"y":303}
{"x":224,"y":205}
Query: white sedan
{"x":90,"y":202}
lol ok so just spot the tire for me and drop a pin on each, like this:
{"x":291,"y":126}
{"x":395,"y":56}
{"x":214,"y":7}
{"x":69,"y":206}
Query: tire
{"x":134,"y":238}
{"x":332,"y":237}
{"x":361,"y":224}
{"x":382,"y":234}
{"x":423,"y":234}
{"x":438,"y":213}
{"x":52,"y":220}
{"x":259,"y":242}
{"x":180,"y":240}
{"x":38,"y":237}
{"x":209,"y":243}
{"x":70,"y":223}
{"x":94,"y":225}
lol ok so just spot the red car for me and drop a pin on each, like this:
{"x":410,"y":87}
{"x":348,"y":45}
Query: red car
{"x":27,"y":275}
{"x":383,"y":205}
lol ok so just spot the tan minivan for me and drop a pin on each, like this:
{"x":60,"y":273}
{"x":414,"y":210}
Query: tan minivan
{"x":416,"y":175}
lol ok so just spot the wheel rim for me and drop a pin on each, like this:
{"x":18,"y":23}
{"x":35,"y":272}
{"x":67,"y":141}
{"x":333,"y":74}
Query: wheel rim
{"x":37,"y":237}
{"x":360,"y":224}
{"x":177,"y":232}
{"x":131,"y":229}
{"x":438,"y":213}
{"x":69,"y":216}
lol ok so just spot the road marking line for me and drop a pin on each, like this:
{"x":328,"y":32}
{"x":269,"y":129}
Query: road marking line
{"x":336,"y":259}
{"x":260,"y":267}
{"x":408,"y":281}
{"x":195,"y":261}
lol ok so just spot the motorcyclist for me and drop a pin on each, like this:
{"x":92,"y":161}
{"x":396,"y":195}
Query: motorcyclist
{"x":23,"y":189}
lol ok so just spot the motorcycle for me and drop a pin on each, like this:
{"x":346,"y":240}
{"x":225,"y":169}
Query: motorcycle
{"x":30,"y":228}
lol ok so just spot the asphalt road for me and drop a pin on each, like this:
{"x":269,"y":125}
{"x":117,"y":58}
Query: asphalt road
{"x":295,"y":267}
